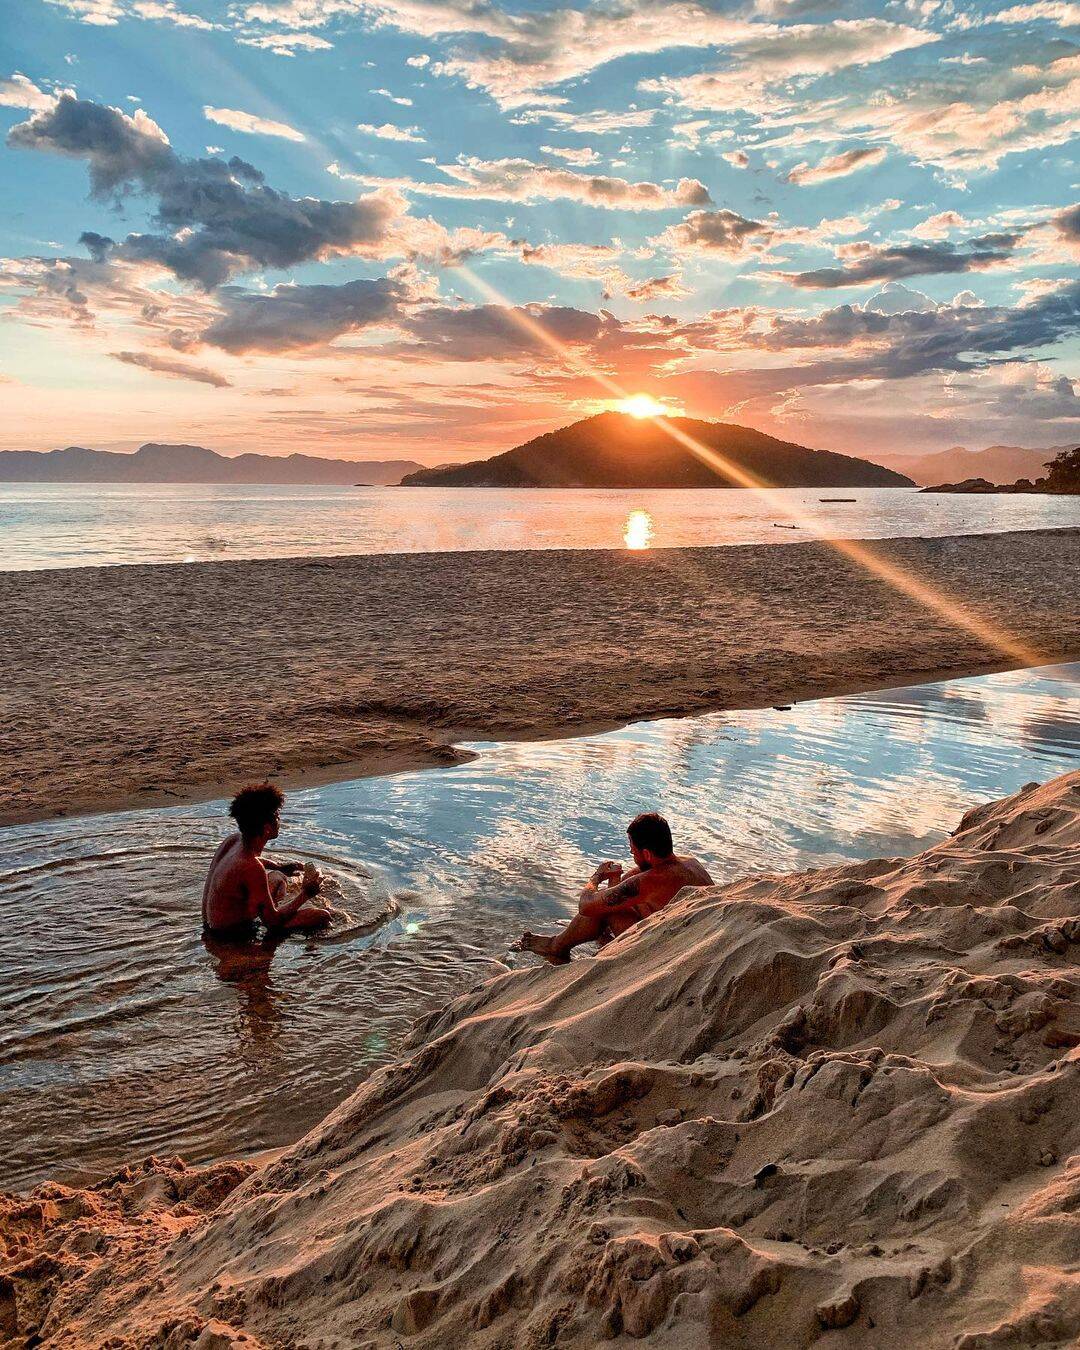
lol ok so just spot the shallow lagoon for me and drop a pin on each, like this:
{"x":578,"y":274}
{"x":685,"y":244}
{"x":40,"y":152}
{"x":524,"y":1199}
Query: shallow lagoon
{"x":122,"y":1034}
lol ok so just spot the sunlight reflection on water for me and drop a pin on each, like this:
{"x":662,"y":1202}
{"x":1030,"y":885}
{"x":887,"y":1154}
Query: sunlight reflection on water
{"x":122,"y":1034}
{"x":639,"y":530}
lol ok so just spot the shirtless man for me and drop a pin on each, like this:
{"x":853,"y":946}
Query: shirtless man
{"x":614,"y":900}
{"x":240,"y":889}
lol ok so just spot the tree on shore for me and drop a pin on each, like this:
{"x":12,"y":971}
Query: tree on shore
{"x":1063,"y":472}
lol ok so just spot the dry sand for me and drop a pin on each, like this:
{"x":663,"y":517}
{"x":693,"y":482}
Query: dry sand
{"x":140,"y":685}
{"x":834,"y":1108}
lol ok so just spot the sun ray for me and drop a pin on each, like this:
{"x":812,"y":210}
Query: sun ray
{"x":859,"y":552}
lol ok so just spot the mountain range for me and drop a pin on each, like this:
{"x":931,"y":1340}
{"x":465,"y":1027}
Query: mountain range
{"x":163,"y":463}
{"x":613,"y":450}
{"x":997,"y":463}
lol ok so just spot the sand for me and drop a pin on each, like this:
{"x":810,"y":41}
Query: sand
{"x":833,"y":1108}
{"x":133,"y":686}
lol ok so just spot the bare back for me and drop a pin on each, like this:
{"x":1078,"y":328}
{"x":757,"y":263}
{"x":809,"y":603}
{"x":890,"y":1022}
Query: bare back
{"x":660,"y":884}
{"x":232,"y":893}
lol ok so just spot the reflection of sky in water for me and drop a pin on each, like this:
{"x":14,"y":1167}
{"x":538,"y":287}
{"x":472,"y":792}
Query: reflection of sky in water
{"x":121,"y":1034}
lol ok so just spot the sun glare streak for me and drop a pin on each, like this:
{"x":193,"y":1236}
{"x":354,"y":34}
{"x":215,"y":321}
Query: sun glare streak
{"x":639,"y":530}
{"x":858,"y":552}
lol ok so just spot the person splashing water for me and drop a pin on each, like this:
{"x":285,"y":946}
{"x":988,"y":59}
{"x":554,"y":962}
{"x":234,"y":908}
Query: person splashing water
{"x":240,"y":889}
{"x":614,"y":900}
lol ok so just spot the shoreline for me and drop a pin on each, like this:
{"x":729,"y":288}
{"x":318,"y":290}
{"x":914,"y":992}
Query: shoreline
{"x":154,"y":688}
{"x":790,"y":1104}
{"x":301,"y":779}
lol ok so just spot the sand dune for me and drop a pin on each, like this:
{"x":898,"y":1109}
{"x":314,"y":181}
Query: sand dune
{"x":836,"y":1107}
{"x":141,"y":685}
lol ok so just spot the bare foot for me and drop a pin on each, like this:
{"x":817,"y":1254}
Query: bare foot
{"x":539,"y":946}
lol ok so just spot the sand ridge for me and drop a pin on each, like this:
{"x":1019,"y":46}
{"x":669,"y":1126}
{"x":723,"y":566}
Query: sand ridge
{"x":143,"y":685}
{"x":836,"y":1107}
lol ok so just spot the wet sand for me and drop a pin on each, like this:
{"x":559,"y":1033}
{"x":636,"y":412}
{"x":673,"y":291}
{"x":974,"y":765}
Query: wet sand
{"x":134,"y":686}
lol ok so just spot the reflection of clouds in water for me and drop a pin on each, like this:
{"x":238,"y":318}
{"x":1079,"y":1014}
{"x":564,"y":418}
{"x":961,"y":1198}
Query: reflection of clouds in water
{"x":475,"y":852}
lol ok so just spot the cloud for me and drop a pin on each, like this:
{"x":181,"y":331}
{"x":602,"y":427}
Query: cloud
{"x":1067,"y":224}
{"x":20,"y":92}
{"x":291,"y":316}
{"x":836,"y":166}
{"x":419,"y":62}
{"x":739,"y":158}
{"x":864,"y":262}
{"x":966,"y":123}
{"x":99,"y":13}
{"x":725,"y":232}
{"x":394,"y":98}
{"x":250,"y":124}
{"x":389,"y":132}
{"x":1061,"y":12}
{"x":656,"y":288}
{"x":767,"y":56}
{"x":521,"y":180}
{"x":938,"y":225}
{"x":286,"y":44}
{"x":896,"y":298}
{"x":216,"y":219}
{"x":177,"y":369}
{"x":581,"y":157}
{"x":167,"y":12}
{"x":598,"y":123}
{"x":108,"y":13}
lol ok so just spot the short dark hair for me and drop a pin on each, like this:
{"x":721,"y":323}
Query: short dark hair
{"x":650,"y":830}
{"x":255,"y":806}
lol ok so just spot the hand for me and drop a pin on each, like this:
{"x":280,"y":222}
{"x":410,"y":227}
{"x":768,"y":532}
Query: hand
{"x":607,"y":871}
{"x":312,"y":879}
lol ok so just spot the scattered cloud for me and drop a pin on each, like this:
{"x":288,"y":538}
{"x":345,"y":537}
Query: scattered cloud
{"x":291,"y":316}
{"x":863,"y":263}
{"x":19,"y":92}
{"x":836,"y":166}
{"x":716,"y":232}
{"x":180,"y":370}
{"x":388,"y":132}
{"x":581,"y":157}
{"x":251,"y":124}
{"x":521,"y":180}
{"x":216,"y":218}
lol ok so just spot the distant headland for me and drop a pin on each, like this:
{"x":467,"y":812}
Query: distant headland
{"x":613,"y":450}
{"x":164,"y":463}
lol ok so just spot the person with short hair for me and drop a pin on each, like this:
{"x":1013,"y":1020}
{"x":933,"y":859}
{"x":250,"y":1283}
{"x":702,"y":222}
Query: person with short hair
{"x":241,"y":891}
{"x":614,"y":900}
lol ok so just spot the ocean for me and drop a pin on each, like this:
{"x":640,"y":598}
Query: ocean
{"x":45,"y":525}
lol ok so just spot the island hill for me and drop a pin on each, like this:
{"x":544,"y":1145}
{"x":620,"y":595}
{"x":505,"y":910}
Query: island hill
{"x":614,"y":450}
{"x":163,"y":463}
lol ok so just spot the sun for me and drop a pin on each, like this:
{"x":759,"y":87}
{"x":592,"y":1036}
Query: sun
{"x":642,"y":405}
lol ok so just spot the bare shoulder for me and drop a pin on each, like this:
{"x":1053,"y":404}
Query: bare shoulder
{"x":695,"y":872}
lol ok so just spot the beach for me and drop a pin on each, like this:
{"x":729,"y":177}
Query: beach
{"x":146,"y":685}
{"x":832,"y":1107}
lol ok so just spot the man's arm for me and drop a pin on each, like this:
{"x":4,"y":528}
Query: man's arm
{"x":263,"y":905}
{"x":288,"y":869}
{"x":598,"y":902}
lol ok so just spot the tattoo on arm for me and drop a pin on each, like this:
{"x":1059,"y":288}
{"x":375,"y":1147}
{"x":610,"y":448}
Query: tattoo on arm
{"x":618,"y":895}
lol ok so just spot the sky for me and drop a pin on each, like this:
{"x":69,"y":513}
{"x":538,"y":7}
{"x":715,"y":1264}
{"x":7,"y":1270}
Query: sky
{"x":431,"y":229}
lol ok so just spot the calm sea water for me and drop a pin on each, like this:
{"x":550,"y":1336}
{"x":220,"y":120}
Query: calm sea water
{"x":122,"y":1034}
{"x":75,"y":525}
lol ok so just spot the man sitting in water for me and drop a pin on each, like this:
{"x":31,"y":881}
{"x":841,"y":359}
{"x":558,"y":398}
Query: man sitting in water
{"x":240,"y":889}
{"x":614,"y":900}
